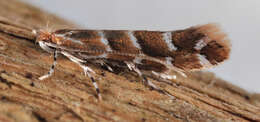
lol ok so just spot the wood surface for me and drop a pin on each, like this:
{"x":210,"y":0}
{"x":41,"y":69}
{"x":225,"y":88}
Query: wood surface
{"x":69,"y":96}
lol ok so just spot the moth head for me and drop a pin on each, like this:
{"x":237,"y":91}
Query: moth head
{"x":45,"y":40}
{"x":46,"y":36}
{"x":43,"y":35}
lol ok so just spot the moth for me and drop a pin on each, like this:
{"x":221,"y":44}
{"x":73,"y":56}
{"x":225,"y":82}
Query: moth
{"x":190,"y":49}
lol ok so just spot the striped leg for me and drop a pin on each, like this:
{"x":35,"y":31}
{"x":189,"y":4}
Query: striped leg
{"x":164,"y":76}
{"x":55,"y":55}
{"x":103,"y":63}
{"x":86,"y":69}
{"x":87,"y":72}
{"x":108,"y":67}
{"x":147,"y":82}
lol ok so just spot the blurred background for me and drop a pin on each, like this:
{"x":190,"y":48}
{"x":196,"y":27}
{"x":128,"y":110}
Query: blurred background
{"x":240,"y":19}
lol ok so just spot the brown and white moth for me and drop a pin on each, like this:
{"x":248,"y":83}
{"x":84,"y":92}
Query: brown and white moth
{"x":190,"y":49}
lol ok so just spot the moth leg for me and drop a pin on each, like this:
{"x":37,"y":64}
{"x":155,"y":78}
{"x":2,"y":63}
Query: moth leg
{"x":50,"y":73}
{"x":87,"y":71}
{"x":108,"y":67}
{"x":164,"y":76}
{"x":147,"y":82}
{"x":103,"y":63}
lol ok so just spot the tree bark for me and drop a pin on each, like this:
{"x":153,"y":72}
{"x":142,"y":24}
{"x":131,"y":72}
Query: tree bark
{"x":69,"y":96}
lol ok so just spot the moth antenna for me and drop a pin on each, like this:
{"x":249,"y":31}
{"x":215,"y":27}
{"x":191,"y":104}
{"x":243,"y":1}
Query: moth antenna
{"x":47,"y":27}
{"x":64,"y":26}
{"x":47,"y":24}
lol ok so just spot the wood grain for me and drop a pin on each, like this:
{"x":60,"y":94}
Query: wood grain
{"x":70,"y":96}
